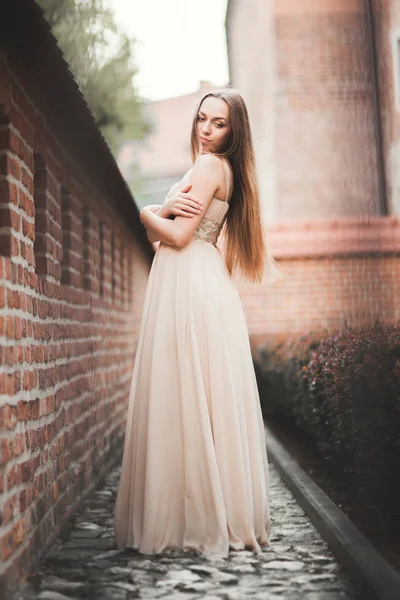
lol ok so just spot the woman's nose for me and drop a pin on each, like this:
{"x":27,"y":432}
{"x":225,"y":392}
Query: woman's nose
{"x":206,"y":127}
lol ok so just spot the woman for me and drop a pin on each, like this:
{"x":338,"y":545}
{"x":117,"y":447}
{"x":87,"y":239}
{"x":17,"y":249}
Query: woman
{"x":195,"y":471}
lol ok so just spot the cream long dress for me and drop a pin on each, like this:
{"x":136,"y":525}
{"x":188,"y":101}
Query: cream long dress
{"x":195,"y":470}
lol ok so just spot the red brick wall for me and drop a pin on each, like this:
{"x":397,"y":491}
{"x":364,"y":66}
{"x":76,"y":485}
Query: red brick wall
{"x":335,"y":273}
{"x":72,"y":279}
{"x":325,"y":149}
{"x":311,"y":108}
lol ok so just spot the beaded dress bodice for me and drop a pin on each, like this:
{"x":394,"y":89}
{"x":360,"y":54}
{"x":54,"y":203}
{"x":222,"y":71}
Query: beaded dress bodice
{"x":213,"y":220}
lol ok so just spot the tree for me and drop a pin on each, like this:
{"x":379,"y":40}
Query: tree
{"x":100,"y":58}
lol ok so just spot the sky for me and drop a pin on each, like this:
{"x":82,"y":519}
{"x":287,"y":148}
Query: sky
{"x":178,"y":44}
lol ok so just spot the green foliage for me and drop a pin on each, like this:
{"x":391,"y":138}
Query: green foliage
{"x":100,"y":57}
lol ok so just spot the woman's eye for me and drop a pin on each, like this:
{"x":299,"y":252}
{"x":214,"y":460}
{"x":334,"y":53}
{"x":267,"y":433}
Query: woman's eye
{"x":200,"y":118}
{"x":219,"y":125}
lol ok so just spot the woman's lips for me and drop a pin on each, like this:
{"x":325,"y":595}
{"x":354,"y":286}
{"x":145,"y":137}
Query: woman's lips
{"x":204,"y":141}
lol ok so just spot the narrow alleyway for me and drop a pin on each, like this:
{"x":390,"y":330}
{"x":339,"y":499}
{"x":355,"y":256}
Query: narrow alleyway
{"x":85,"y":563}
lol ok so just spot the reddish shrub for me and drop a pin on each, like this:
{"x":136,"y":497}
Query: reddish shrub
{"x":342,"y":391}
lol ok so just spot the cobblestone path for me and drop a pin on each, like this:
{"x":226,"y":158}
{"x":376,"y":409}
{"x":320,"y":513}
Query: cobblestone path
{"x":84,"y":562}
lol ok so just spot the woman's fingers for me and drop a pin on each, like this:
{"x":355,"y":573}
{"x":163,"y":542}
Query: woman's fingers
{"x":193,"y":209}
{"x":192,"y":204}
{"x":188,"y":210}
{"x":183,"y":203}
{"x":190,"y":197}
{"x":190,"y":201}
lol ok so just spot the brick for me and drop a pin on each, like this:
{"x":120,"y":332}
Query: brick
{"x":28,"y":230}
{"x":19,"y":444}
{"x":26,"y":470}
{"x":8,"y":417}
{"x":63,"y":324}
{"x":15,"y":247}
{"x":26,"y":203}
{"x":10,"y":327}
{"x":27,"y":181}
{"x":9,"y":510}
{"x":17,"y":328}
{"x":5,"y":244}
{"x":6,"y":451}
{"x":7,"y":545}
{"x":11,"y":166}
{"x":22,"y":410}
{"x":4,"y":192}
{"x":19,"y":531}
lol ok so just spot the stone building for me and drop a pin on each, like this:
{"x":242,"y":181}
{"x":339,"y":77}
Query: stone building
{"x":322,"y":82}
{"x":74,"y":261}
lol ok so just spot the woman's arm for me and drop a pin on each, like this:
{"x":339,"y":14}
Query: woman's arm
{"x":162,"y":212}
{"x":155,"y":209}
{"x":181,"y":203}
{"x":206,"y":176}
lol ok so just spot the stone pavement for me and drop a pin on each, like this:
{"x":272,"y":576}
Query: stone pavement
{"x":84,"y":562}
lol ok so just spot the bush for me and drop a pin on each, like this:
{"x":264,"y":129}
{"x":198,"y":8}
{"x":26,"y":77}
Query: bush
{"x":342,"y":391}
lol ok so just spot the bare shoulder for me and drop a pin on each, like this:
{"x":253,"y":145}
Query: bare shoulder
{"x":207,"y":161}
{"x":216,"y":162}
{"x":208,"y":168}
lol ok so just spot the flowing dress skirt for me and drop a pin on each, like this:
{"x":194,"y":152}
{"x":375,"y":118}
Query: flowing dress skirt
{"x":195,"y":470}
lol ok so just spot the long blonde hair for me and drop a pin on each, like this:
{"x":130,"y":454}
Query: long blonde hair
{"x":246,"y":247}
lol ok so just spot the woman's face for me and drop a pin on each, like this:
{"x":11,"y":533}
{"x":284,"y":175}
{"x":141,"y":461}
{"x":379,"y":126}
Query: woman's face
{"x":213,"y":126}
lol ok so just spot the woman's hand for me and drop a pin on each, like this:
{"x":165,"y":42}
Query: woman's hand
{"x":179,"y":232}
{"x":181,"y":204}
